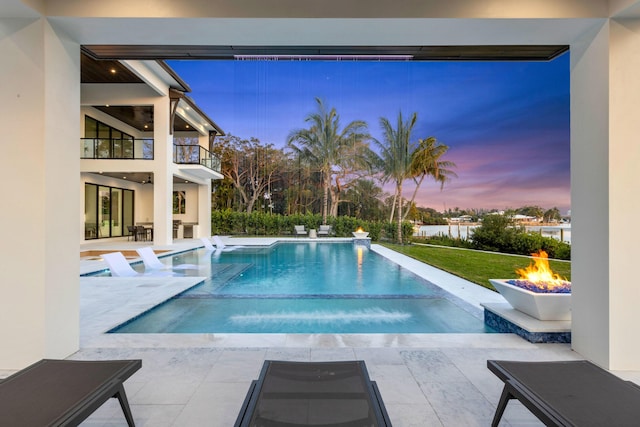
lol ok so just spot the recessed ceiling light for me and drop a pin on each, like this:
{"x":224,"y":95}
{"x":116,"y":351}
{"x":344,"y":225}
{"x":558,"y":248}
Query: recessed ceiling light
{"x":187,"y":126}
{"x":113,"y":70}
{"x":124,"y":177}
{"x":146,"y":126}
{"x":186,"y":182}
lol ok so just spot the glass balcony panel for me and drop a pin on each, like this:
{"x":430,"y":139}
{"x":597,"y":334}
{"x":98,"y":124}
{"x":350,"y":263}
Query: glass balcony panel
{"x":127,"y":148}
{"x":195,"y":155}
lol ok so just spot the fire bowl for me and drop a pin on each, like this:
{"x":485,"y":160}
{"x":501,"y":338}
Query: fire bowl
{"x":540,"y":305}
{"x":360,"y":234}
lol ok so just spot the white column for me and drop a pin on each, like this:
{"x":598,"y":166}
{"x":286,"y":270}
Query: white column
{"x":624,"y":194}
{"x":39,"y":172}
{"x":605,"y":176}
{"x":163,"y":177}
{"x":204,"y":210}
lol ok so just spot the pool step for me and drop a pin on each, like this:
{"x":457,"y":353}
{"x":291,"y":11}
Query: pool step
{"x":222,"y":273}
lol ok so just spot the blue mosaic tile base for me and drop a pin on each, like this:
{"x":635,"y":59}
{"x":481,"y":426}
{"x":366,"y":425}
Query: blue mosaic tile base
{"x":362,"y":242}
{"x":502,"y":325}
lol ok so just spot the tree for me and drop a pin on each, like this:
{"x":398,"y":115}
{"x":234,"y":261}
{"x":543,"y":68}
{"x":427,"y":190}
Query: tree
{"x":534,"y":211}
{"x":396,"y":158}
{"x":250,"y":166}
{"x":426,"y":161}
{"x":363,"y":200}
{"x":552,"y":214}
{"x":325,"y":146}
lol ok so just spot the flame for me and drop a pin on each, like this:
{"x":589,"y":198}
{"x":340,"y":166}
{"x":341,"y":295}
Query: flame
{"x":359,"y":230}
{"x":540,"y":274}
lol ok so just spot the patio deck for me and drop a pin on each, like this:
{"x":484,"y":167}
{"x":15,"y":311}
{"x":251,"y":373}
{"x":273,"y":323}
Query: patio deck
{"x":201,"y":379}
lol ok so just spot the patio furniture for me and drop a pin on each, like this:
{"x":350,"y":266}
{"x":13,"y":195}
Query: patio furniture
{"x":313,"y":393}
{"x":207,"y":244}
{"x":118,"y":265}
{"x":151,"y":261}
{"x":221,"y":246}
{"x":131,"y":232}
{"x":568,"y":393}
{"x":64,"y":392}
{"x":177,"y":223}
{"x":300,"y":230}
{"x":141,"y":233}
{"x":324,"y":230}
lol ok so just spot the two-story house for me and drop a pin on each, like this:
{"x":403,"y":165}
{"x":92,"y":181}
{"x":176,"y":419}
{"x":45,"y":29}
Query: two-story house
{"x":145,"y":150}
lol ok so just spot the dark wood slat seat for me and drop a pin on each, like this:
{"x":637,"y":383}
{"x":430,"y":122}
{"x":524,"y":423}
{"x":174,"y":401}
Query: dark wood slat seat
{"x":63,"y":392}
{"x":568,"y":393}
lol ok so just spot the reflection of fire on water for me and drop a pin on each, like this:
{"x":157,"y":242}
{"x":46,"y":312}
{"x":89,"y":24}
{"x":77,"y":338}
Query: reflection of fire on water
{"x":360,"y":250}
{"x":540,"y":276}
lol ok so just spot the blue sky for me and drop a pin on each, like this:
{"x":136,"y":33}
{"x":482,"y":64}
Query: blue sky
{"x":506,"y":123}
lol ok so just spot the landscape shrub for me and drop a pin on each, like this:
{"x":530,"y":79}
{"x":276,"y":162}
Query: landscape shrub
{"x":443,"y":240}
{"x":266,"y":224}
{"x":498,"y":234}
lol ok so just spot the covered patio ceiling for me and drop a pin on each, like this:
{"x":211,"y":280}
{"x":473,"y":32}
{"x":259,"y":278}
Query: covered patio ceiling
{"x":141,"y":177}
{"x":412,"y":53}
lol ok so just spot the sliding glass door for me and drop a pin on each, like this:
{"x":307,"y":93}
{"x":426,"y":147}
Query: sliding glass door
{"x":108,"y":211}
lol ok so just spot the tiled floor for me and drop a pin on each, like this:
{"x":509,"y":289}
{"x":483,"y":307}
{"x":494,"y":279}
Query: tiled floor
{"x":201,"y":379}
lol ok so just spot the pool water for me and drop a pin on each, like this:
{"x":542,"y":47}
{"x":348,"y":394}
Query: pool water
{"x":306,"y":288}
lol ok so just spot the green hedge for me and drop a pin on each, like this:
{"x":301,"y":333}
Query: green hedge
{"x":265,"y":224}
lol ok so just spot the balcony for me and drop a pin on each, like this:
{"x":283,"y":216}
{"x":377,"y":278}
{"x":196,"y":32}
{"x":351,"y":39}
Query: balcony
{"x":105,"y":148}
{"x":195,"y":155}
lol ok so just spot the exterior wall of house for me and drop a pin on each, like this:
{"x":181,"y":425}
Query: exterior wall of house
{"x":39,"y":165}
{"x":624,"y":185}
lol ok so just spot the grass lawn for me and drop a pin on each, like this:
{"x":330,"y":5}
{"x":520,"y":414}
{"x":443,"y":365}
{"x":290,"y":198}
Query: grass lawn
{"x":475,"y":266}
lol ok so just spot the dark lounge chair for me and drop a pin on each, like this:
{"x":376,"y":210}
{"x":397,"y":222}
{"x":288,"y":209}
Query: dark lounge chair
{"x":313,"y":393}
{"x":63,"y":392}
{"x":571,"y":393}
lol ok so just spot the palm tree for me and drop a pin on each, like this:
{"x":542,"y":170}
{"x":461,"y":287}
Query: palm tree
{"x":426,"y":161}
{"x":324,"y":144}
{"x":396,"y":156}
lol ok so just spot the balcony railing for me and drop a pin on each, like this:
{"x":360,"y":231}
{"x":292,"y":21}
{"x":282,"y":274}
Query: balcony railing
{"x":105,"y":148}
{"x":195,"y":155}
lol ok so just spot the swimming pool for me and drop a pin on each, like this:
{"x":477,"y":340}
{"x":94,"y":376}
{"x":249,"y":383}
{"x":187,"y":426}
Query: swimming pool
{"x":306,"y":288}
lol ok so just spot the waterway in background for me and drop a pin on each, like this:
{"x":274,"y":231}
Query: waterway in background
{"x":463,"y":231}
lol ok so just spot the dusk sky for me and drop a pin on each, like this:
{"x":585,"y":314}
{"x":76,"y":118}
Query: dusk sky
{"x":506,"y":123}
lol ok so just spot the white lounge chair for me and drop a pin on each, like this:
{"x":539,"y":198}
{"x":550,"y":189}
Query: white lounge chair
{"x":207,"y":244}
{"x":300,"y":230}
{"x":152,"y":262}
{"x":120,"y":267}
{"x":220,"y":246}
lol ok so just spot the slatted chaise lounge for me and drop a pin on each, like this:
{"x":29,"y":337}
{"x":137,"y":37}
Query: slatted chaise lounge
{"x":314,"y":394}
{"x":571,"y":393}
{"x":63,"y":392}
